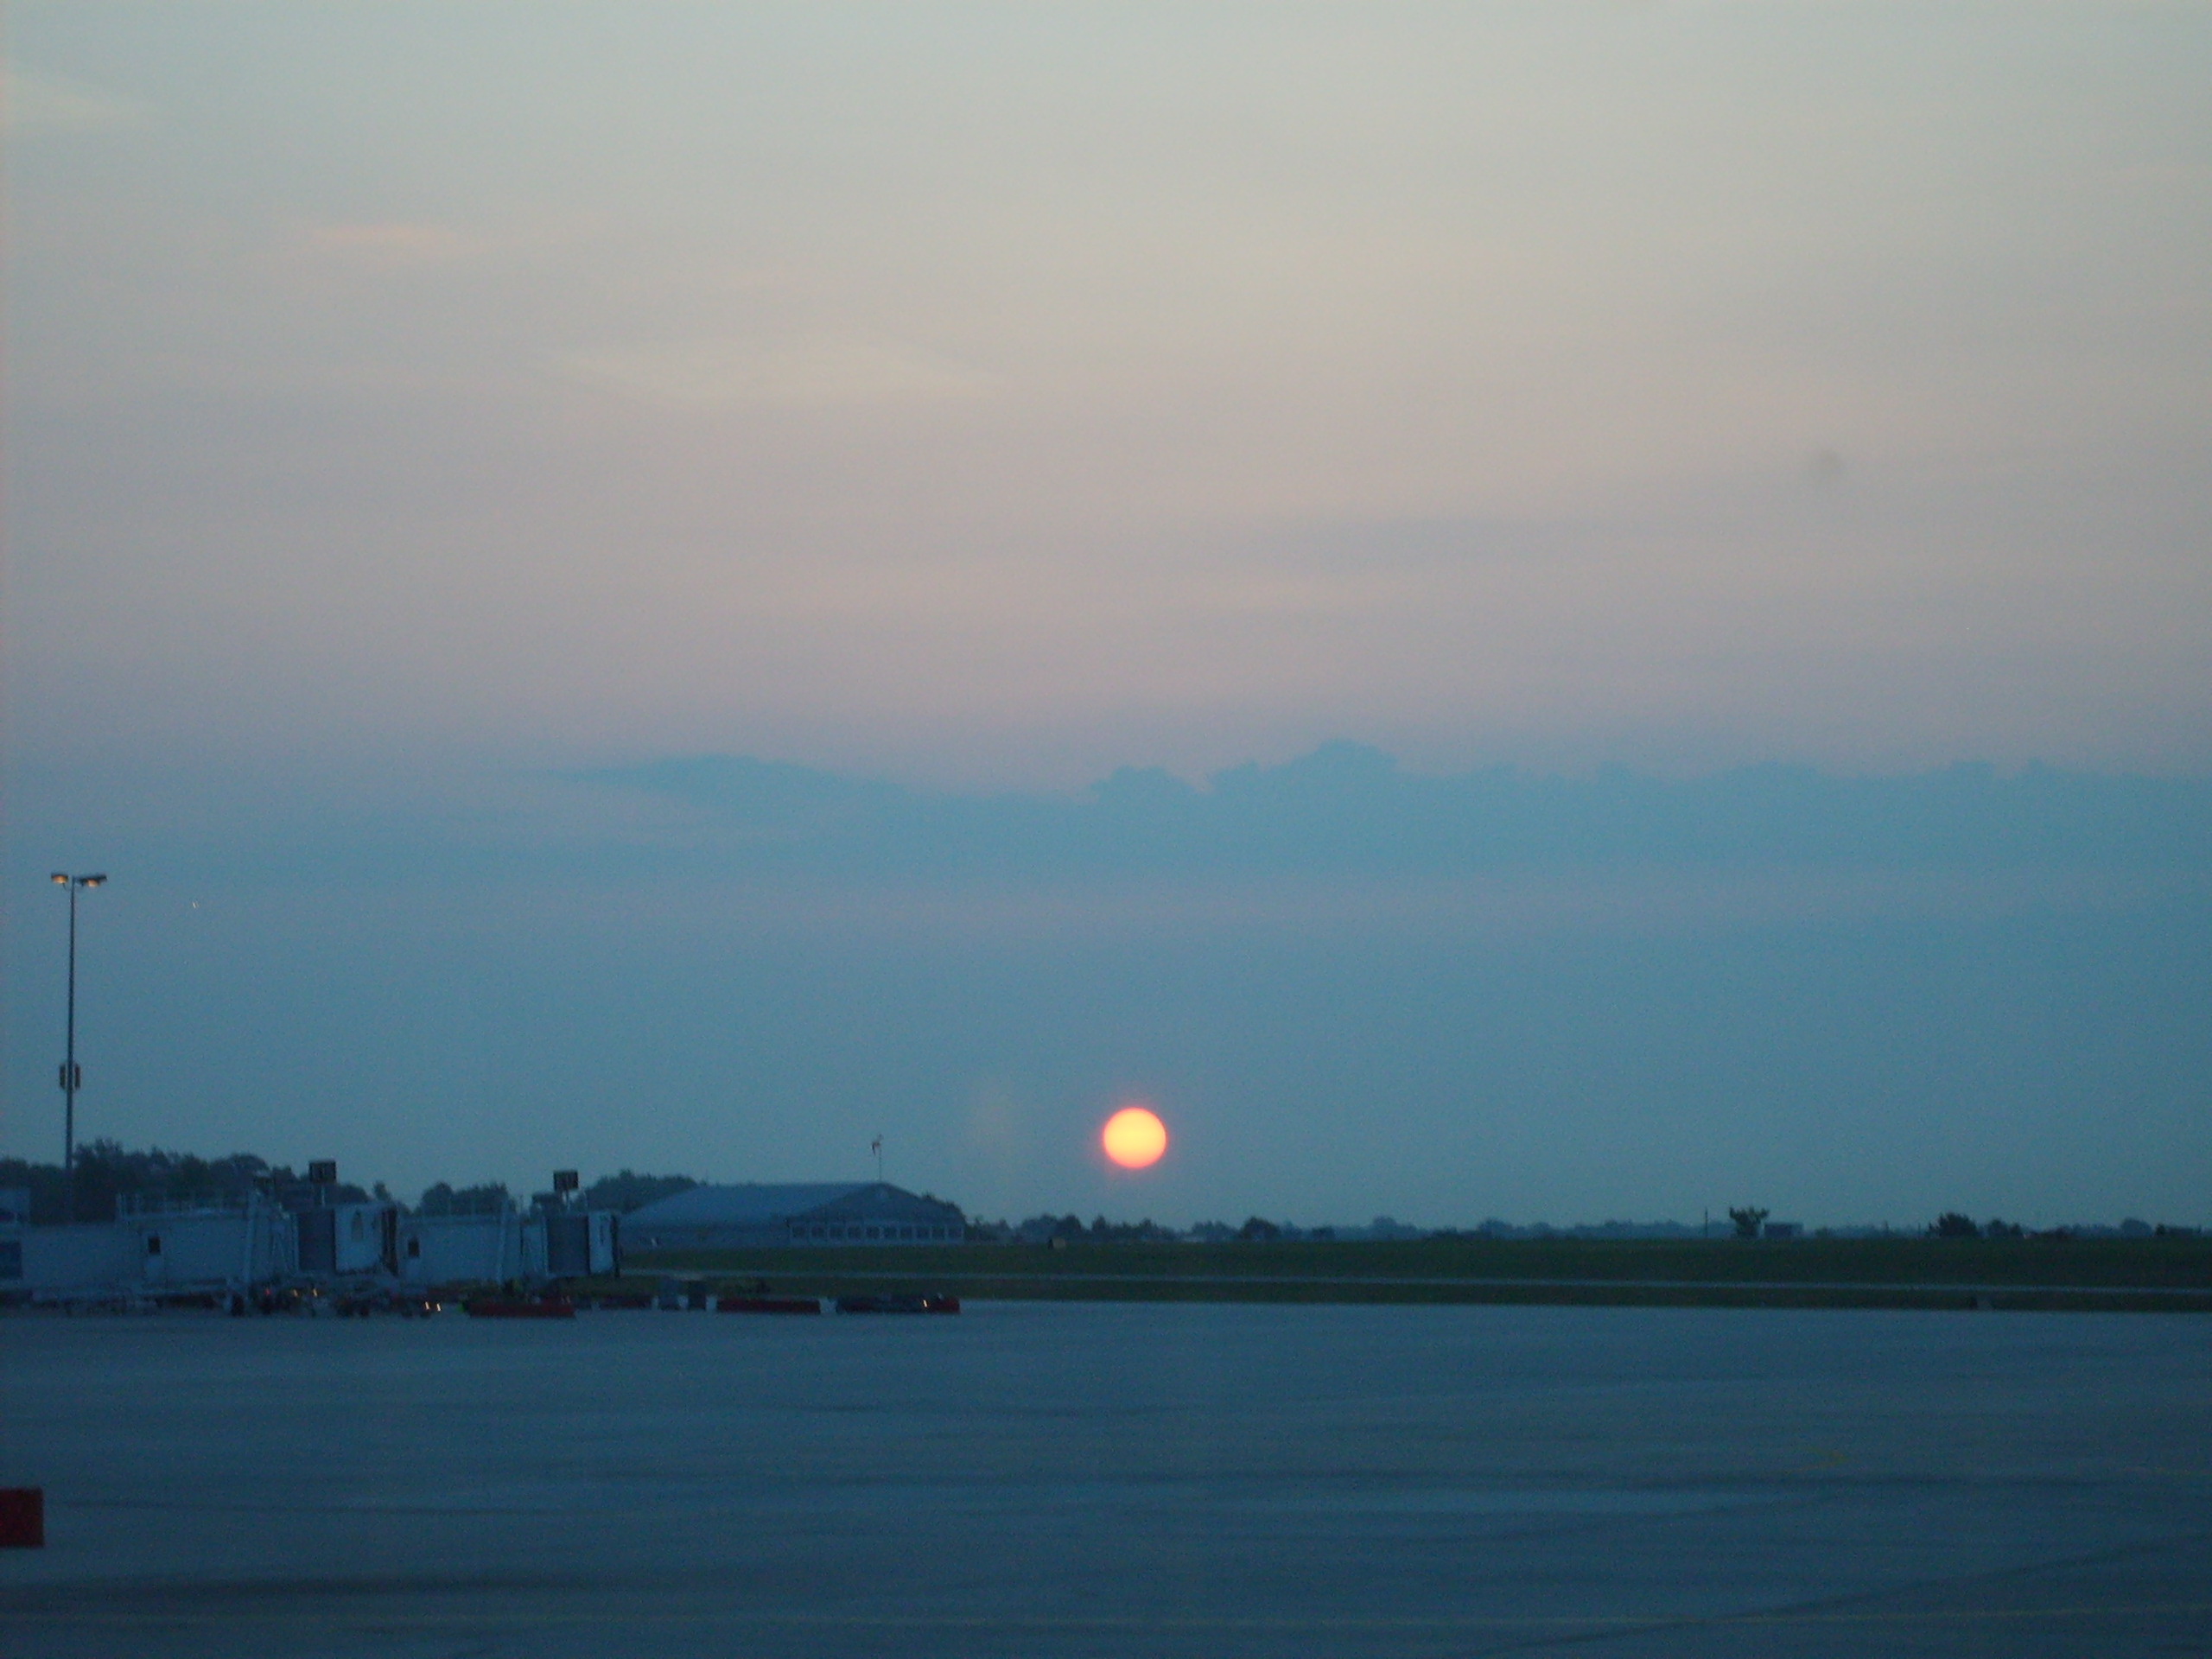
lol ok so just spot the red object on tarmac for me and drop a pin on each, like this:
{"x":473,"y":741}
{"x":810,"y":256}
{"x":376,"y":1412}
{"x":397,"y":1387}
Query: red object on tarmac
{"x":494,"y":1307}
{"x":22,"y":1517}
{"x":768,"y":1304}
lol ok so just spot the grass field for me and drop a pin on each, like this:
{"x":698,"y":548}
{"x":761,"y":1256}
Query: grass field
{"x":2169,"y":1275}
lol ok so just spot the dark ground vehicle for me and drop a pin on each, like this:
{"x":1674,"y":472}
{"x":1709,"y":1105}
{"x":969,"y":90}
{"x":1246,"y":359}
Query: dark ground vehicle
{"x":926,"y":1303}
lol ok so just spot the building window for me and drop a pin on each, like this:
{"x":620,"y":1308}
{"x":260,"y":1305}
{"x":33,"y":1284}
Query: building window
{"x":414,"y":1249}
{"x":153,"y":1243}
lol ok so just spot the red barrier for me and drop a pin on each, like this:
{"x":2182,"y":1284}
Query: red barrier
{"x":22,"y":1517}
{"x":494,"y":1307}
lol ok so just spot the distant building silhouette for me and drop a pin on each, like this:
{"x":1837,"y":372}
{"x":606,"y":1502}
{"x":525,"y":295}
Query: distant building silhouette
{"x":825,"y":1213}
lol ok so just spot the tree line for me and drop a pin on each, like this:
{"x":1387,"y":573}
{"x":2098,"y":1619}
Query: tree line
{"x":107,"y":1172}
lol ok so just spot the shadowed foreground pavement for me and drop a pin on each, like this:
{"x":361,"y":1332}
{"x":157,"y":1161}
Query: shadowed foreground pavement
{"x":1115,"y":1479}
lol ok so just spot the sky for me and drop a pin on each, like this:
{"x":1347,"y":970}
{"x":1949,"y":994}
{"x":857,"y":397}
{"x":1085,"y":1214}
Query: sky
{"x":1545,"y":610}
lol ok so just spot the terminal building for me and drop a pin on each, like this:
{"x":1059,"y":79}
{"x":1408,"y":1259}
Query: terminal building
{"x":154,"y":1251}
{"x":219,"y":1246}
{"x":224,"y":1245}
{"x":507,"y":1244}
{"x":751,"y":1215}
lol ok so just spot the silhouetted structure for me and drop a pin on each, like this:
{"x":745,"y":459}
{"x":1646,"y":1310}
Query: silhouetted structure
{"x":754,"y":1215}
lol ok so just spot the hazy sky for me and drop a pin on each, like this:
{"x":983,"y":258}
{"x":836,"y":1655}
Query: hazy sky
{"x":421,"y":418}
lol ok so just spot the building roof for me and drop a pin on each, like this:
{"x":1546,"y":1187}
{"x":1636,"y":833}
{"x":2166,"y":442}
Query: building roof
{"x":756,"y":1204}
{"x":749,"y":1204}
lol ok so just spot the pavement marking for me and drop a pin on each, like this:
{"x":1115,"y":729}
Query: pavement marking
{"x":1827,"y":1287}
{"x":386,"y":1619}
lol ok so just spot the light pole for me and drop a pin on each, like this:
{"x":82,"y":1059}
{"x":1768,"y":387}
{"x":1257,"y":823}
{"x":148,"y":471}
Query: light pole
{"x":71,"y":1076}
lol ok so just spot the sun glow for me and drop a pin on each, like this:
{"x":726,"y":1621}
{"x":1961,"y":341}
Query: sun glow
{"x":1134,"y":1138}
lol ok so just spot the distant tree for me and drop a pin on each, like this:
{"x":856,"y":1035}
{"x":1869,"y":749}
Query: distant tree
{"x":1255,"y":1230}
{"x":46,"y":1184}
{"x":107,"y":1171}
{"x":1952,"y":1224}
{"x":1043,"y":1229}
{"x":1995,"y":1229}
{"x":1748,"y":1221}
{"x":440,"y":1199}
{"x":1103,"y":1231}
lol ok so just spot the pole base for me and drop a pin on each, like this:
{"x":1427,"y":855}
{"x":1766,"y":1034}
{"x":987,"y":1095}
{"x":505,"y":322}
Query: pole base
{"x":22,"y":1517}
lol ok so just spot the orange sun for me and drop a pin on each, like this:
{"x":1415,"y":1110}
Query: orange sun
{"x":1134,"y":1138}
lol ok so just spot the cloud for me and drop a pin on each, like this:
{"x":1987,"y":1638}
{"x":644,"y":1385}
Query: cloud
{"x":53,"y":103}
{"x":1349,"y":809}
{"x":817,"y":369}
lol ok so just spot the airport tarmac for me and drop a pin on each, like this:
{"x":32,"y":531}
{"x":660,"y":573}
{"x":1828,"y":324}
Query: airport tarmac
{"x":1111,"y":1478}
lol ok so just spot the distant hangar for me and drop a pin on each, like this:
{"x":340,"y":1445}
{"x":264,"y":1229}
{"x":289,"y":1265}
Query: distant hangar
{"x":751,"y":1215}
